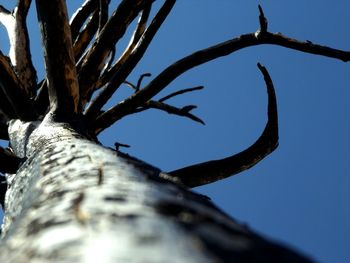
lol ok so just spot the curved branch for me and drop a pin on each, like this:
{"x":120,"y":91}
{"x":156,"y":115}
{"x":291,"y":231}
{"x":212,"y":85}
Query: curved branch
{"x":85,"y":36}
{"x":208,"y":172}
{"x":179,"y":92}
{"x":200,"y":57}
{"x":16,"y":103}
{"x":59,"y":58}
{"x":3,"y":125}
{"x":15,"y":24}
{"x":103,"y":14}
{"x":183,"y":112}
{"x":120,"y":74}
{"x":140,"y":29}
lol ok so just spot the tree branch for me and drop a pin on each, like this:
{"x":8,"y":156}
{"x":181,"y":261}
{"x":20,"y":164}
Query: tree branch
{"x":121,"y":71}
{"x":179,"y":92}
{"x":59,"y":58}
{"x":3,"y":189}
{"x":103,"y":14}
{"x":15,"y":24}
{"x":9,"y":163}
{"x":85,"y":36}
{"x":208,"y":172}
{"x":80,"y":16}
{"x":113,"y":30}
{"x":16,"y":104}
{"x":200,"y":57}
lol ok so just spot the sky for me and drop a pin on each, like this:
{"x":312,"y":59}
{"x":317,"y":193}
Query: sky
{"x":299,"y":195}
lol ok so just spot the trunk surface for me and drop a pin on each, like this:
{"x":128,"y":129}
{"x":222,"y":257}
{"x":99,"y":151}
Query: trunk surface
{"x":73,"y":200}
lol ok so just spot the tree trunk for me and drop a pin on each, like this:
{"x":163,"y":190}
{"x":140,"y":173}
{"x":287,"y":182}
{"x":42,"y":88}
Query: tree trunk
{"x":73,"y":200}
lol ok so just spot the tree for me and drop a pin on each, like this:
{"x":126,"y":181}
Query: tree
{"x":88,"y":192}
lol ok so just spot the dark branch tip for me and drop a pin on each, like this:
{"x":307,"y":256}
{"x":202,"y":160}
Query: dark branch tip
{"x":263,"y":23}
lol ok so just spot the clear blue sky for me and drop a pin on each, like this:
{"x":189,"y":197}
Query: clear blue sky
{"x":300,"y":194}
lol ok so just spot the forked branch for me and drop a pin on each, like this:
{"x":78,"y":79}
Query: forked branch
{"x":205,"y":55}
{"x":211,"y":171}
{"x":80,"y":17}
{"x":14,"y":103}
{"x":119,"y":72}
{"x":182,"y":112}
{"x":59,"y":58}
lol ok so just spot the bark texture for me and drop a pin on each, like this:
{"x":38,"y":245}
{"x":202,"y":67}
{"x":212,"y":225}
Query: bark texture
{"x":73,"y":200}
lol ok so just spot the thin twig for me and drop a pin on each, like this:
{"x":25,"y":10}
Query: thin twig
{"x":262,"y":20}
{"x":85,"y":36}
{"x":183,"y":112}
{"x":9,"y":163}
{"x":103,"y":14}
{"x":179,"y":92}
{"x":112,"y":32}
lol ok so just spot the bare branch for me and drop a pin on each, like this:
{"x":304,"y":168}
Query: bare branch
{"x":262,"y":20}
{"x":208,"y":172}
{"x":140,"y":29}
{"x":103,"y":14}
{"x":120,"y":74}
{"x":113,"y":30}
{"x":15,"y":24}
{"x":59,"y":58}
{"x":81,"y":15}
{"x":9,"y":163}
{"x":3,"y":125}
{"x":179,"y":92}
{"x":85,"y":36}
{"x":41,"y":101}
{"x":183,"y":112}
{"x":200,"y":57}
{"x":16,"y":103}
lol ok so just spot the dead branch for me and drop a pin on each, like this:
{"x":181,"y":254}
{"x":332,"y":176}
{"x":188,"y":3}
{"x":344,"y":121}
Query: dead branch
{"x":15,"y":103}
{"x":183,"y":112}
{"x":125,"y":68}
{"x":179,"y":92}
{"x":3,"y":125}
{"x":113,"y":30}
{"x":59,"y":58}
{"x":80,"y":16}
{"x":208,"y":172}
{"x":200,"y":57}
{"x":9,"y":163}
{"x":15,"y":24}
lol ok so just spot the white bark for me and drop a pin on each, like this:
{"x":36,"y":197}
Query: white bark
{"x":76,"y":201}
